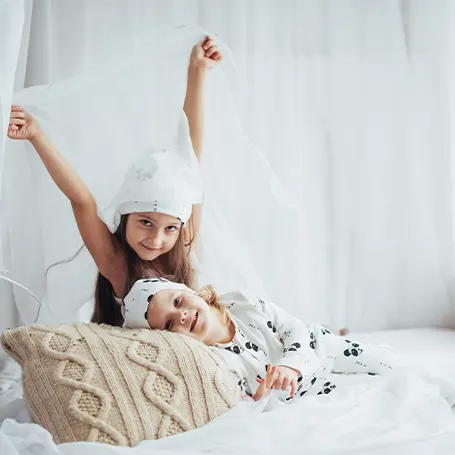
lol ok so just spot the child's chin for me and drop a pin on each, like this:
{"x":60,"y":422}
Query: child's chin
{"x":148,"y":256}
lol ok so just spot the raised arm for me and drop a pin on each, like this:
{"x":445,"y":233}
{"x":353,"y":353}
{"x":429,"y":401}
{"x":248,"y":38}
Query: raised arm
{"x":101,"y":244}
{"x":204,"y":56}
{"x":194,"y":105}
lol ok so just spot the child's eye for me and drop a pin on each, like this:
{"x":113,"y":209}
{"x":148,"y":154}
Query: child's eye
{"x":145,"y":222}
{"x":176,"y":302}
{"x":168,"y":326}
{"x":171,"y":228}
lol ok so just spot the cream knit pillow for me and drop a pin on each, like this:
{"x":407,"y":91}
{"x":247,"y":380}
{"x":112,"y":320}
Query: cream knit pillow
{"x":88,"y":382}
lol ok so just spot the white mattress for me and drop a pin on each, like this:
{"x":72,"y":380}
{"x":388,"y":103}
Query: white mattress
{"x":404,"y":414}
{"x":427,"y":346}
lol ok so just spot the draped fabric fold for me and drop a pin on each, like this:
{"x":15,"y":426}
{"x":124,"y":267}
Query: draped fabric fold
{"x":101,"y":122}
{"x":345,"y":104}
{"x":11,"y":24}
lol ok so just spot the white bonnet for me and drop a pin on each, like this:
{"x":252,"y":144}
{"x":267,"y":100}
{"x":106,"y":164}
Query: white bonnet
{"x":136,"y":302}
{"x":162,"y":180}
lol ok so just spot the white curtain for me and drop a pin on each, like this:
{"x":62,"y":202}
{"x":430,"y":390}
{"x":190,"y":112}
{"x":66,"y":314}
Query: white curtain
{"x":12,"y":15}
{"x":350,"y":103}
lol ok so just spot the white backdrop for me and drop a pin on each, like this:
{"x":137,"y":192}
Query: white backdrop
{"x":350,"y":102}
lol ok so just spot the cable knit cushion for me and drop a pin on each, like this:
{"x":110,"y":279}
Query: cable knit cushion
{"x":88,"y":382}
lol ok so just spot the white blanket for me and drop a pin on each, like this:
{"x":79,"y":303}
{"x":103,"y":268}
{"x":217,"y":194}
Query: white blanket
{"x":393,"y":415}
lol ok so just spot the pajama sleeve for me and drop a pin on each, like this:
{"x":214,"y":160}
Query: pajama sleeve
{"x":298,"y":340}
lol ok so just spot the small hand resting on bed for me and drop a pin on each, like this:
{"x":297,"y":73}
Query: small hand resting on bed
{"x":278,"y":377}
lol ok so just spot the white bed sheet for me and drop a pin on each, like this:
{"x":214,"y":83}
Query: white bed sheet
{"x":427,"y":346}
{"x":405,"y":413}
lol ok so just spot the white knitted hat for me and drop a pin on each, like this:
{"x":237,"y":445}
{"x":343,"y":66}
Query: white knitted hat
{"x":136,"y":302}
{"x":162,"y":180}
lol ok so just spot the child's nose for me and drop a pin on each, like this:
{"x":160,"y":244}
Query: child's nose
{"x":156,"y":239}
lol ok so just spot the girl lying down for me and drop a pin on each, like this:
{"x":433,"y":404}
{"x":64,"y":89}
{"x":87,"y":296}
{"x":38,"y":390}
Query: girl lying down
{"x":262,"y":344}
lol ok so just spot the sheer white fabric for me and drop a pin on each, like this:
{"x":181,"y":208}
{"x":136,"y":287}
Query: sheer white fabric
{"x":11,"y":24}
{"x":102,"y":123}
{"x":349,"y":103}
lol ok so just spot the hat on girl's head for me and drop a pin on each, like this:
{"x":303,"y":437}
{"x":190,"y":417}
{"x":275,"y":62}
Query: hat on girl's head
{"x":163,"y":181}
{"x":136,"y":302}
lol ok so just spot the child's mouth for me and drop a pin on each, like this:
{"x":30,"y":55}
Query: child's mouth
{"x":193,"y":324}
{"x":148,"y":248}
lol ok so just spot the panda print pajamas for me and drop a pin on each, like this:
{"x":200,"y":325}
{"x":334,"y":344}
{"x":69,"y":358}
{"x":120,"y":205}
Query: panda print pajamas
{"x":267,"y":334}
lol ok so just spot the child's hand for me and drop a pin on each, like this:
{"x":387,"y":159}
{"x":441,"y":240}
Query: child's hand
{"x":266,"y":384}
{"x":280,"y":377}
{"x":286,"y":377}
{"x":21,"y":124}
{"x":206,"y":54}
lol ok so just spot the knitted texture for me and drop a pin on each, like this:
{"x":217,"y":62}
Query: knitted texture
{"x":96,"y":383}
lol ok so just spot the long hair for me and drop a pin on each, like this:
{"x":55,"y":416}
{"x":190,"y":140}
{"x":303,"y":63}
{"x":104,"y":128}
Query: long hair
{"x":174,"y":265}
{"x":212,"y":299}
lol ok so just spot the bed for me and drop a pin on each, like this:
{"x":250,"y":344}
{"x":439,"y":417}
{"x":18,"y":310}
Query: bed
{"x":408,"y":412}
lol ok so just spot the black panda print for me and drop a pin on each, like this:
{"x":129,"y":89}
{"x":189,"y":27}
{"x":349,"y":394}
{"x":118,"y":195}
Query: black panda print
{"x":353,"y":349}
{"x":156,"y":280}
{"x":303,"y":348}
{"x":327,"y":388}
{"x":250,"y":346}
{"x":243,"y":384}
{"x":312,"y":341}
{"x":313,"y":381}
{"x":271,"y":326}
{"x":293,"y":348}
{"x":298,"y":392}
{"x":236,"y":349}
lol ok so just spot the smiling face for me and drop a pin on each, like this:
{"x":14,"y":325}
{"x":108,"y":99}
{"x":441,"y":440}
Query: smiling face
{"x":152,"y":234}
{"x":182,"y":311}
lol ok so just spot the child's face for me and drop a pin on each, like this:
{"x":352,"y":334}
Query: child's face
{"x":152,"y":234}
{"x":183,"y":312}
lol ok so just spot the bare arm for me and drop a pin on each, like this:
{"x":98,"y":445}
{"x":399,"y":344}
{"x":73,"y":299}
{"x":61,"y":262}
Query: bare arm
{"x":194,"y":110}
{"x":194,"y":105}
{"x":204,"y":56}
{"x":61,"y":171}
{"x":101,"y":244}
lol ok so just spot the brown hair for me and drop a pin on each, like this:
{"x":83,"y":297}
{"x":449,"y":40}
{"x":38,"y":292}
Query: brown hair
{"x":212,"y":299}
{"x":173,"y":265}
